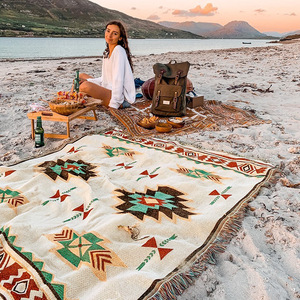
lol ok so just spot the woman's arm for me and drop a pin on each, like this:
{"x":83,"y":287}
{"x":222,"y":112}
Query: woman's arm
{"x":97,"y":80}
{"x":119,"y":60}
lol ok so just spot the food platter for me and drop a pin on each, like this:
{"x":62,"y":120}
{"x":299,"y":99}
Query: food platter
{"x":66,"y":103}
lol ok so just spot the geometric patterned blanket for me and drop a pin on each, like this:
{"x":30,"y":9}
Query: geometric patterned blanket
{"x":213,"y":115}
{"x":116,"y":217}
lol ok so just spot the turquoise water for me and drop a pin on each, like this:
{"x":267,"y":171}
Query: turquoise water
{"x":30,"y":48}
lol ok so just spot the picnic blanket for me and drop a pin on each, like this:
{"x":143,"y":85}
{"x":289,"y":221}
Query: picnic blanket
{"x":214,"y":115}
{"x":113,"y":216}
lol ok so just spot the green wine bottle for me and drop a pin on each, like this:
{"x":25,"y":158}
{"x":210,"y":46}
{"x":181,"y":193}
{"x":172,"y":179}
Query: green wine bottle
{"x":39,"y":133}
{"x":76,"y":82}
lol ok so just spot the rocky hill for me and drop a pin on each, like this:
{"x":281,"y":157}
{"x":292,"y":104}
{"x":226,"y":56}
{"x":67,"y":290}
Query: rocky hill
{"x":292,"y":33}
{"x":232,"y":30}
{"x":291,"y":37}
{"x":237,"y":30}
{"x":73,"y":18}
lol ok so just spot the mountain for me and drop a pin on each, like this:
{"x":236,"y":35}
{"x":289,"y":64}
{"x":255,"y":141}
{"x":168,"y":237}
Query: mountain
{"x":281,"y":35}
{"x":73,"y":18}
{"x":237,"y":30}
{"x":200,"y":28}
{"x":291,"y":37}
{"x":232,"y":30}
{"x":296,"y":32}
{"x":274,"y":33}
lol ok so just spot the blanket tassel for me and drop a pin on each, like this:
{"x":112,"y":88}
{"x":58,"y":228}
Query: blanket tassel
{"x":175,"y":284}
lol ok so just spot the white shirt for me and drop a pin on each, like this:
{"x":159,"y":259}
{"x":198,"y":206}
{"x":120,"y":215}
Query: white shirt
{"x":117,"y":76}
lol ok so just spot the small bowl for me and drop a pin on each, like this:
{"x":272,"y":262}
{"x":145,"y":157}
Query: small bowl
{"x":176,"y":122}
{"x":148,"y":125}
{"x":163,"y":127}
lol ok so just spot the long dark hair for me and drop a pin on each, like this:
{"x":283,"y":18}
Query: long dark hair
{"x":123,"y":42}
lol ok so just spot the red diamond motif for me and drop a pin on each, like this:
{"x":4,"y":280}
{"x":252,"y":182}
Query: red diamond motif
{"x":214,"y":193}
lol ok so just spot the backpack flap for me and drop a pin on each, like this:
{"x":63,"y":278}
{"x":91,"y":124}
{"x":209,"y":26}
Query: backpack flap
{"x":170,"y":70}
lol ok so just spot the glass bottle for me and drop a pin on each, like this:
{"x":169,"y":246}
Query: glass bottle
{"x":76,"y":82}
{"x":39,"y":133}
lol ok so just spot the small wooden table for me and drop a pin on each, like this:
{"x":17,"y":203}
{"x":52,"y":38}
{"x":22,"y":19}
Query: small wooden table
{"x":55,"y":117}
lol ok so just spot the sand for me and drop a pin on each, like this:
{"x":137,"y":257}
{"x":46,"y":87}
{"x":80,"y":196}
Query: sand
{"x":262,"y":261}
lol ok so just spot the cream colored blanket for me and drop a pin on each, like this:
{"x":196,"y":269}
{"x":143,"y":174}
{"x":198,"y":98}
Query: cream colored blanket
{"x":114,"y":217}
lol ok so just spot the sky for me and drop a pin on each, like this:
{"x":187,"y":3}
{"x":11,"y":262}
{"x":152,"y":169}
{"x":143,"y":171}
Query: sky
{"x":264,"y":15}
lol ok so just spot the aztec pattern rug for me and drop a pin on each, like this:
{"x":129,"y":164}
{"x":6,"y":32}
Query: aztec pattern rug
{"x":119,"y":217}
{"x":214,"y":115}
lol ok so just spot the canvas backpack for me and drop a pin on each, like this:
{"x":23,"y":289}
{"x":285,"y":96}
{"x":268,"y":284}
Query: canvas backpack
{"x":169,"y":97}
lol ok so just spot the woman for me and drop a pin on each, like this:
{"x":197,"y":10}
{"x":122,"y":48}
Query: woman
{"x":116,"y":85}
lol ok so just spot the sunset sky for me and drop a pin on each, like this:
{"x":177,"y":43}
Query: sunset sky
{"x":267,"y":15}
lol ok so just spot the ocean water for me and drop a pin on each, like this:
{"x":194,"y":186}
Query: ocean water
{"x":32,"y":48}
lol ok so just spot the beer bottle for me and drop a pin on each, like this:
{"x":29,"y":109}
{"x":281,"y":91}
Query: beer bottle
{"x":76,"y":82}
{"x":39,"y":133}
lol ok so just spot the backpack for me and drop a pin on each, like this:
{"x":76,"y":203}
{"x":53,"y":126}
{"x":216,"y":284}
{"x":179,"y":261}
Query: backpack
{"x":169,"y":97}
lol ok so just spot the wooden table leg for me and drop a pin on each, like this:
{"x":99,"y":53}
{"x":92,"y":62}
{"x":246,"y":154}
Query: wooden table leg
{"x":68,"y":129}
{"x":32,"y":129}
{"x":55,"y":117}
{"x":95,"y":115}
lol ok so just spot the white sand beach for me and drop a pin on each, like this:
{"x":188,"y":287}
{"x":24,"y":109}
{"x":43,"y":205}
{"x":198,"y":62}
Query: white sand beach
{"x":262,"y":261}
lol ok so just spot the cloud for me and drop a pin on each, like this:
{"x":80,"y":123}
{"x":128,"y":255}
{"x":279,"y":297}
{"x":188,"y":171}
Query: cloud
{"x":133,"y":8}
{"x":179,"y":12}
{"x":208,"y":10}
{"x":153,"y":17}
{"x":259,"y":10}
{"x":291,"y":14}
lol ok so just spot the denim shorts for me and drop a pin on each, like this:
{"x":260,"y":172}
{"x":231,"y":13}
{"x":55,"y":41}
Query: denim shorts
{"x":125,"y":104}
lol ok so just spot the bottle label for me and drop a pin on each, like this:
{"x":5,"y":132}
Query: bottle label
{"x":39,"y":139}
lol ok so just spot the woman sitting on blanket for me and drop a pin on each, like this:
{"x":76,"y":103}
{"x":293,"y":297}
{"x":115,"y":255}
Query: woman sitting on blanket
{"x":116,"y":85}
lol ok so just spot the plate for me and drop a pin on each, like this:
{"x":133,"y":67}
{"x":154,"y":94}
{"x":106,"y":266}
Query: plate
{"x":176,"y":122}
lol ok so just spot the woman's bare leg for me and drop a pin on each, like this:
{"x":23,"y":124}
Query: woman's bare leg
{"x":96,"y":91}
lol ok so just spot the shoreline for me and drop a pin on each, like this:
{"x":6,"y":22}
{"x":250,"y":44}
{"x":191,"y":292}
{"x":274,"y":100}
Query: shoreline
{"x":134,"y":56}
{"x":45,"y":58}
{"x":51,"y":52}
{"x":265,"y":252}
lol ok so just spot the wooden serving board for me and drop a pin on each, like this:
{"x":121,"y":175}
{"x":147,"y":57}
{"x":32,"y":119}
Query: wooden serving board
{"x":93,"y":101}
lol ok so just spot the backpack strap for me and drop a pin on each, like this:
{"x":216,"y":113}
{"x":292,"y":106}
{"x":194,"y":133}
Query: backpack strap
{"x":161,"y":73}
{"x":177,"y":77}
{"x":157,"y":98}
{"x":175,"y":99}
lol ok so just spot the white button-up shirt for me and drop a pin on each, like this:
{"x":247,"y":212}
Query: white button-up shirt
{"x":117,"y":76}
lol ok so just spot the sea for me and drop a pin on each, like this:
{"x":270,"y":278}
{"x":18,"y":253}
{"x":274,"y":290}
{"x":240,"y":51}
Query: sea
{"x":39,"y":48}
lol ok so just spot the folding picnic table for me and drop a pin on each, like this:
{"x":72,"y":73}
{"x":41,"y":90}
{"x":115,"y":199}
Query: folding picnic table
{"x":55,"y":117}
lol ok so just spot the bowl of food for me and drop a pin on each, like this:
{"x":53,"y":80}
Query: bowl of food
{"x":66,"y":103}
{"x":65,"y":108}
{"x":163,"y":127}
{"x":148,"y":123}
{"x":176,"y":122}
